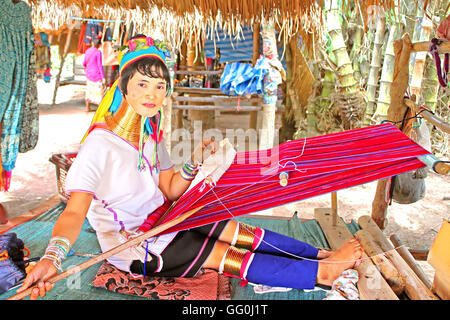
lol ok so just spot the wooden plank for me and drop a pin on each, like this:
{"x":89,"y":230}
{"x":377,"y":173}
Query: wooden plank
{"x":198,"y":72}
{"x":209,"y":91}
{"x":425,"y":46}
{"x":215,"y":107}
{"x":216,"y":98}
{"x":43,"y":207}
{"x":371,"y":284}
{"x":414,"y":287}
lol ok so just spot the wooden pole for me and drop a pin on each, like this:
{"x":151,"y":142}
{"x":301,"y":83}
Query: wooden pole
{"x":63,"y":58}
{"x":397,"y":108}
{"x":389,"y":272}
{"x":408,"y":257}
{"x":253,"y":122}
{"x":425,"y":46}
{"x":334,"y":207}
{"x":414,"y":287}
{"x":436,"y":121}
{"x":130,"y":243}
{"x":371,"y":284}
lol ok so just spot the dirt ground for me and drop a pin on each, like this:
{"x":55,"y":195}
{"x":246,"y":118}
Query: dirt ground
{"x":63,"y":126}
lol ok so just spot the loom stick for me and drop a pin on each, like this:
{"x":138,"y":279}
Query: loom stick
{"x":434,"y":163}
{"x":371,"y":284}
{"x":130,"y":243}
{"x":386,"y":268}
{"x":414,"y":287}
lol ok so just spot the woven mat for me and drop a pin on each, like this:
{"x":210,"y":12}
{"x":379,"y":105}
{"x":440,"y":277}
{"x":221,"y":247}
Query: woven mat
{"x":207,"y":285}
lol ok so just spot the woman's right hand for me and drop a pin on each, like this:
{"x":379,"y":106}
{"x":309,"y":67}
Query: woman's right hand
{"x":41,"y":272}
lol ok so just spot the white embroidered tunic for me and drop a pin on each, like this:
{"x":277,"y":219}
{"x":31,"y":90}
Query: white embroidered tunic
{"x":106,"y":166}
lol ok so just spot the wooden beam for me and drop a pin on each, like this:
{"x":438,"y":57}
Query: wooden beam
{"x":397,"y":108}
{"x":414,"y":287}
{"x":371,"y":284}
{"x":199,"y":72}
{"x":409,"y":259}
{"x":425,"y":46}
{"x":387,"y":269}
{"x":427,"y":115}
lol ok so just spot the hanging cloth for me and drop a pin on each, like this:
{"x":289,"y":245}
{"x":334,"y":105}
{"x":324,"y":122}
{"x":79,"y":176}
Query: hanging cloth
{"x":241,"y":78}
{"x":16,"y":39}
{"x":30,"y":111}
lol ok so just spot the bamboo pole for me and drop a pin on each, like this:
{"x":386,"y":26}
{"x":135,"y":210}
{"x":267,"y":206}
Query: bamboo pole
{"x":375,"y":66}
{"x":346,"y":80}
{"x":414,"y":287}
{"x":63,"y":58}
{"x":420,"y":57}
{"x":130,"y":243}
{"x":269,"y":105}
{"x":387,"y":73}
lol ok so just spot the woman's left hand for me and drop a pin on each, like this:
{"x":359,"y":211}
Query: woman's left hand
{"x":203,"y":150}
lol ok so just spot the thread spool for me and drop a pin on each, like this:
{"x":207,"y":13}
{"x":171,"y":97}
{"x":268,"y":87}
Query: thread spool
{"x":284,"y":176}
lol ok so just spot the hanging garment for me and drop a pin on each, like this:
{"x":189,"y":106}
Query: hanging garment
{"x":241,"y":78}
{"x":30,"y":112}
{"x":16,"y":39}
{"x":82,"y":46}
{"x":93,"y":31}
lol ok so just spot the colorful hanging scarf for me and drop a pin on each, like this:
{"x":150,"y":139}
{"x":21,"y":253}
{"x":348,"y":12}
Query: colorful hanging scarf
{"x":16,"y":39}
{"x":441,"y":72}
{"x":136,"y":49}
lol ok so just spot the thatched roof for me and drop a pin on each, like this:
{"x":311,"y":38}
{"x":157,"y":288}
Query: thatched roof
{"x":188,"y":19}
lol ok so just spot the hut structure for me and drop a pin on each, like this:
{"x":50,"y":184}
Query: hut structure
{"x":186,"y":22}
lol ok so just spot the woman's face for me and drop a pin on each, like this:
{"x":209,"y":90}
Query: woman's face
{"x":145,"y":94}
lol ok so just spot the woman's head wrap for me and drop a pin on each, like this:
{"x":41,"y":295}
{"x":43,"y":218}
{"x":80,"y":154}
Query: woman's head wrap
{"x":137,"y":48}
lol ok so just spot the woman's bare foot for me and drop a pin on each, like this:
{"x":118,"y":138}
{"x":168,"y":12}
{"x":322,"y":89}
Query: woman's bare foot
{"x":344,"y":258}
{"x":323,"y":253}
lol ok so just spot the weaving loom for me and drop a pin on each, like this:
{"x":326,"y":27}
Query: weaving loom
{"x":231,"y":184}
{"x":311,"y":167}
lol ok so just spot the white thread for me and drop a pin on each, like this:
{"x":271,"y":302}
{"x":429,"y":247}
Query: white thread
{"x":304,"y":258}
{"x":291,"y":254}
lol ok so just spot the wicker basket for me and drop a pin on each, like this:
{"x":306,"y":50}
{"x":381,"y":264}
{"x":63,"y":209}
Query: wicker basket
{"x":62,"y":161}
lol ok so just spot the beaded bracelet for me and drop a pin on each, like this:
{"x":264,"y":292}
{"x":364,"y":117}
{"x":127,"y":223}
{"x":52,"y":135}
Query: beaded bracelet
{"x":57,"y":251}
{"x":189,"y":170}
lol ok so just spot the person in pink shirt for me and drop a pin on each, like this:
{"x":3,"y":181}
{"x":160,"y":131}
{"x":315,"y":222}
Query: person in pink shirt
{"x":95,"y":77}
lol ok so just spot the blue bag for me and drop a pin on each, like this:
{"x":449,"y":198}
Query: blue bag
{"x":12,"y":264}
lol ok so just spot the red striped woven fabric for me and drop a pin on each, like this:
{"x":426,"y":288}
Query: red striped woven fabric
{"x":316,"y":166}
